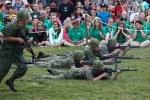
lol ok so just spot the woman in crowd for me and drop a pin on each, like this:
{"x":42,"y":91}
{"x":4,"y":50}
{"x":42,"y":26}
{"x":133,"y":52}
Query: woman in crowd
{"x":122,"y":35}
{"x":67,"y":26}
{"x":93,"y":15}
{"x":39,"y":35}
{"x":75,"y":36}
{"x":140,"y":35}
{"x":93,"y":5}
{"x":13,"y":18}
{"x":56,"y":35}
{"x":78,"y":4}
{"x":135,"y":12}
{"x":77,"y":14}
{"x":96,"y":31}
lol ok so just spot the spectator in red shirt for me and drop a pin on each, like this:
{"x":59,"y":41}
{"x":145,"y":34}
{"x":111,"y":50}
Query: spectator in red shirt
{"x":117,"y":9}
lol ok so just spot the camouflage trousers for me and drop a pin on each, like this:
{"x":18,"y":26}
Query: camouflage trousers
{"x":70,"y":74}
{"x":54,"y":61}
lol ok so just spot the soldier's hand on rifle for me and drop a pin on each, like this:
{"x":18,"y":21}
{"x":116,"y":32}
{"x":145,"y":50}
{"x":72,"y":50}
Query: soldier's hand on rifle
{"x":104,"y":75}
{"x":20,"y":40}
{"x":113,"y":53}
{"x":119,"y":71}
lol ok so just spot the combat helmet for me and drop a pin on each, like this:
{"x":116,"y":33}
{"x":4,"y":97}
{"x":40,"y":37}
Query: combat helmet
{"x":78,"y":54}
{"x":22,"y":14}
{"x":94,"y":42}
{"x":112,"y":41}
{"x":97,"y":64}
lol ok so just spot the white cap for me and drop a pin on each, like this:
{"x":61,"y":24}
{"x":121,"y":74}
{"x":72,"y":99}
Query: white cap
{"x":7,"y":2}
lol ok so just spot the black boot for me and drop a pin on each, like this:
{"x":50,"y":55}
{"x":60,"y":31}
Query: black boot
{"x":50,"y":71}
{"x":11,"y":85}
{"x":42,"y":55}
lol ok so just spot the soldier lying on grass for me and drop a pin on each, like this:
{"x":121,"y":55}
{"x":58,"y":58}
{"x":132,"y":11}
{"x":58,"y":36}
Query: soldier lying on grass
{"x":94,"y":73}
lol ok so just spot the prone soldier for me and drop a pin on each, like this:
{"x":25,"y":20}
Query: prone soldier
{"x":94,"y":73}
{"x":70,"y":60}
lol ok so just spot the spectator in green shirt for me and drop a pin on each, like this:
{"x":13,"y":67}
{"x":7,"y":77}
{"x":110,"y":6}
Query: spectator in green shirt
{"x":6,"y":21}
{"x":96,"y":31}
{"x":122,"y":35}
{"x":142,"y":17}
{"x":109,"y":30}
{"x":139,"y":35}
{"x":75,"y":36}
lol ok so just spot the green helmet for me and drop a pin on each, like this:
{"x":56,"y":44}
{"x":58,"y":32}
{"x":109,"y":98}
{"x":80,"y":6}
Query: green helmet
{"x":97,"y":64}
{"x":78,"y":54}
{"x":94,"y":42}
{"x":22,"y":14}
{"x":112,"y":41}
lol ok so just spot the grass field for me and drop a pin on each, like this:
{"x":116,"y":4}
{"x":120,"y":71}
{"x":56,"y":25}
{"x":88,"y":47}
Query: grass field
{"x":129,"y":86}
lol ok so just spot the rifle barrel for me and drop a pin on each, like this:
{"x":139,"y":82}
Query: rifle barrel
{"x":124,"y":70}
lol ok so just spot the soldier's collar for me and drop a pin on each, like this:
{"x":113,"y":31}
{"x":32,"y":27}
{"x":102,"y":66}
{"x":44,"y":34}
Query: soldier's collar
{"x":17,"y":25}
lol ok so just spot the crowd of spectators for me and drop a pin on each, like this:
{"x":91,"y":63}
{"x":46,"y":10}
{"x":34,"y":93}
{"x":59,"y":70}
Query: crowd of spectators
{"x":62,"y":22}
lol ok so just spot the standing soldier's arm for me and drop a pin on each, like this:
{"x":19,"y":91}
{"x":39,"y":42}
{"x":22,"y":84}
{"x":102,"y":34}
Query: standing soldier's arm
{"x":13,"y":39}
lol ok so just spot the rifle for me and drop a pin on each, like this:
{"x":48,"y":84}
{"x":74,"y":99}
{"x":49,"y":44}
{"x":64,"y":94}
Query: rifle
{"x":105,"y":63}
{"x":122,"y":70}
{"x":118,"y":57}
{"x":27,"y":45}
{"x":124,"y":47}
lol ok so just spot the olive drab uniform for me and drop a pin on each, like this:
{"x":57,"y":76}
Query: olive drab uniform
{"x":73,"y":73}
{"x":90,"y":55}
{"x":77,"y":73}
{"x":55,"y":61}
{"x":12,"y":52}
{"x":63,"y":60}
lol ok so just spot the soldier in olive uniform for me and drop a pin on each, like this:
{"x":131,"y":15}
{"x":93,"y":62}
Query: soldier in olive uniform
{"x":68,"y":59}
{"x":11,"y":51}
{"x":94,"y":73}
{"x":110,"y":49}
{"x":94,"y":52}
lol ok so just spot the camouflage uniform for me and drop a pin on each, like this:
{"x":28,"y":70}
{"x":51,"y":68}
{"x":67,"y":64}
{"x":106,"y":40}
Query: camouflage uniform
{"x":59,"y":60}
{"x":90,"y":54}
{"x":105,"y":48}
{"x":76,"y":73}
{"x":12,"y":52}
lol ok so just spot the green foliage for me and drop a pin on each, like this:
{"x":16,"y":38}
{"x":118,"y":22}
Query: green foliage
{"x":129,"y":86}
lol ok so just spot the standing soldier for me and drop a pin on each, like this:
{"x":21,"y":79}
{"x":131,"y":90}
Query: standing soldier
{"x":11,"y":51}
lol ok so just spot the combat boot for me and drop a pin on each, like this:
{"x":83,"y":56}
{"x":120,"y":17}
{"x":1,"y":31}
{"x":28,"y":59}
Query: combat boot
{"x":50,"y":71}
{"x":42,"y":55}
{"x":11,"y":85}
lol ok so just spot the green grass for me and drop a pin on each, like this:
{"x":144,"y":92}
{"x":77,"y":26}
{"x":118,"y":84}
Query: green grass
{"x":129,"y":86}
